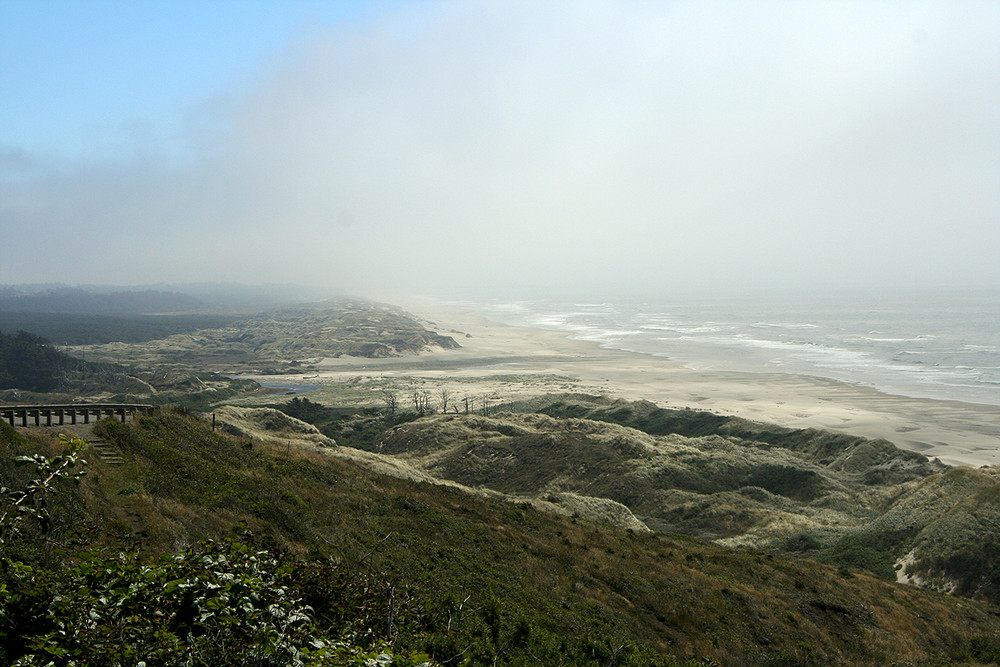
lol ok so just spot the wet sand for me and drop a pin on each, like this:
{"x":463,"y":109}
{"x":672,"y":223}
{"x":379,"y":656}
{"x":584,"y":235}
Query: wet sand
{"x":505,"y":363}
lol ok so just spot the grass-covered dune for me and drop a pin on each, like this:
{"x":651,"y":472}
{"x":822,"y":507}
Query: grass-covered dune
{"x":32,"y":370}
{"x":938,"y":526}
{"x":283,"y":338}
{"x":842,"y":499}
{"x":472,"y":579}
{"x":185,"y":358}
{"x":839,"y":498}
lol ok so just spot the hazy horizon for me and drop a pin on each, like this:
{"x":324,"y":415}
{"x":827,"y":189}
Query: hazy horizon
{"x":509,"y":148}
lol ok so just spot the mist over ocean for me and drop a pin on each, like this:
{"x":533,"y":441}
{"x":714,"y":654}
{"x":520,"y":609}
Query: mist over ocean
{"x":942,"y":346}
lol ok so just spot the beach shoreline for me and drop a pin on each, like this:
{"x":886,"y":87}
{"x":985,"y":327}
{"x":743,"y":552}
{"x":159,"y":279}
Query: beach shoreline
{"x":500,"y":362}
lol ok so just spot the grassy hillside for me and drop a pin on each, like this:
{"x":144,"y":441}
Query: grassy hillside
{"x":478,"y":580}
{"x":945,"y":533}
{"x":929,"y":525}
{"x":32,"y":364}
{"x":841,"y":499}
{"x":879,"y":460}
{"x":673,"y":480}
{"x":34,"y":371}
{"x":183,"y":358}
{"x":283,"y":339}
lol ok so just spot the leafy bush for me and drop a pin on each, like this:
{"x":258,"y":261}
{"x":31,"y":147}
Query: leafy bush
{"x":29,"y":502}
{"x":801,"y":542}
{"x":220,"y":603}
{"x":861,"y":552}
{"x":985,"y":649}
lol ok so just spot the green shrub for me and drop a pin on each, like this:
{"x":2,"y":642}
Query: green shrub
{"x":801,"y":542}
{"x":857,"y":552}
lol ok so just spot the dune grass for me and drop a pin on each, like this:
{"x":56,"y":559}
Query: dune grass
{"x":482,"y":580}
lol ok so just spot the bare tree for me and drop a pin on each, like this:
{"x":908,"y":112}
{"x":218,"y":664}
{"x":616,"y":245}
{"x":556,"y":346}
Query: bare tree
{"x":391,"y":402}
{"x":422,"y":401}
{"x":445,"y":395}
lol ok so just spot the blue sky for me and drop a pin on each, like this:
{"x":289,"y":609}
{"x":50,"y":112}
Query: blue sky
{"x":102,"y":77}
{"x":516,"y":146}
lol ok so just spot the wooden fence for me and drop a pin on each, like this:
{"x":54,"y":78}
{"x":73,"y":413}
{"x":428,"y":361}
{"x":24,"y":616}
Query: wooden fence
{"x":59,"y":415}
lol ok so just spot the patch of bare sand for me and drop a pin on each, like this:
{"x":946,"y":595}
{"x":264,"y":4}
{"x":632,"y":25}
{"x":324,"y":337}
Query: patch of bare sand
{"x":507,"y":363}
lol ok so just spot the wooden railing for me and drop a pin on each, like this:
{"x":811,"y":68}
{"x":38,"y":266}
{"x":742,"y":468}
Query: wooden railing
{"x":59,"y":415}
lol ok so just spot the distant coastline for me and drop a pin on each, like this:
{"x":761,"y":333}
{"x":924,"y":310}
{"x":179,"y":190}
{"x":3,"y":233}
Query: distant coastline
{"x":547,"y":361}
{"x":944,"y":347}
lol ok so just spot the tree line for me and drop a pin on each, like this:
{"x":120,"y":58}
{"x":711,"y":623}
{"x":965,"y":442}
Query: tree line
{"x":425,"y":402}
{"x":31,"y":363}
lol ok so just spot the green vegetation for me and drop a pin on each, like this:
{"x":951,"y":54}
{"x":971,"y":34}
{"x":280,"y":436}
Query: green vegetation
{"x":863,"y":553}
{"x":284,"y":339}
{"x":193,"y":391}
{"x":851,"y":502}
{"x":32,"y":370}
{"x":182,"y":359}
{"x":218,"y":603}
{"x":880,"y":461}
{"x":251,"y":546}
{"x":951,"y":523}
{"x":31,"y":363}
{"x":90,"y":329}
{"x":332,"y":557}
{"x":712,"y":486}
{"x":351,"y":427}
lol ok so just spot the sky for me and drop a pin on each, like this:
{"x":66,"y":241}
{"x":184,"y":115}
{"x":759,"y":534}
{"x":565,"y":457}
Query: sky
{"x":456,"y":148}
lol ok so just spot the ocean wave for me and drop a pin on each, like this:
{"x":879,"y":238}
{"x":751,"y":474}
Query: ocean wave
{"x":513,"y":307}
{"x":595,"y":308}
{"x":784,"y":325}
{"x":874,"y":339}
{"x":972,"y":347}
{"x":905,"y":348}
{"x":610,"y":333}
{"x":687,"y":328}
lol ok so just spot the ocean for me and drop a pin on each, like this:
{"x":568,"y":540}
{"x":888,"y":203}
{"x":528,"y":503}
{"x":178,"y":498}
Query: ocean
{"x":941,"y":346}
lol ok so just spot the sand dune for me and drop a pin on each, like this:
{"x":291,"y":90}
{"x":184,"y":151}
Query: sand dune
{"x":511,"y":362}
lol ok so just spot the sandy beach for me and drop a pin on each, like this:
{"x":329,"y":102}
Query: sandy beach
{"x":503,"y":363}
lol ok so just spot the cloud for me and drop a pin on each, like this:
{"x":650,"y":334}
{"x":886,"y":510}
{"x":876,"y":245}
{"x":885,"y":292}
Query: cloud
{"x":471,"y":147}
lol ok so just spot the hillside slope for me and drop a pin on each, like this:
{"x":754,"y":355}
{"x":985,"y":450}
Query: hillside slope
{"x":33,"y":365}
{"x":498,"y":582}
{"x":284,"y":338}
{"x":842,"y":499}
